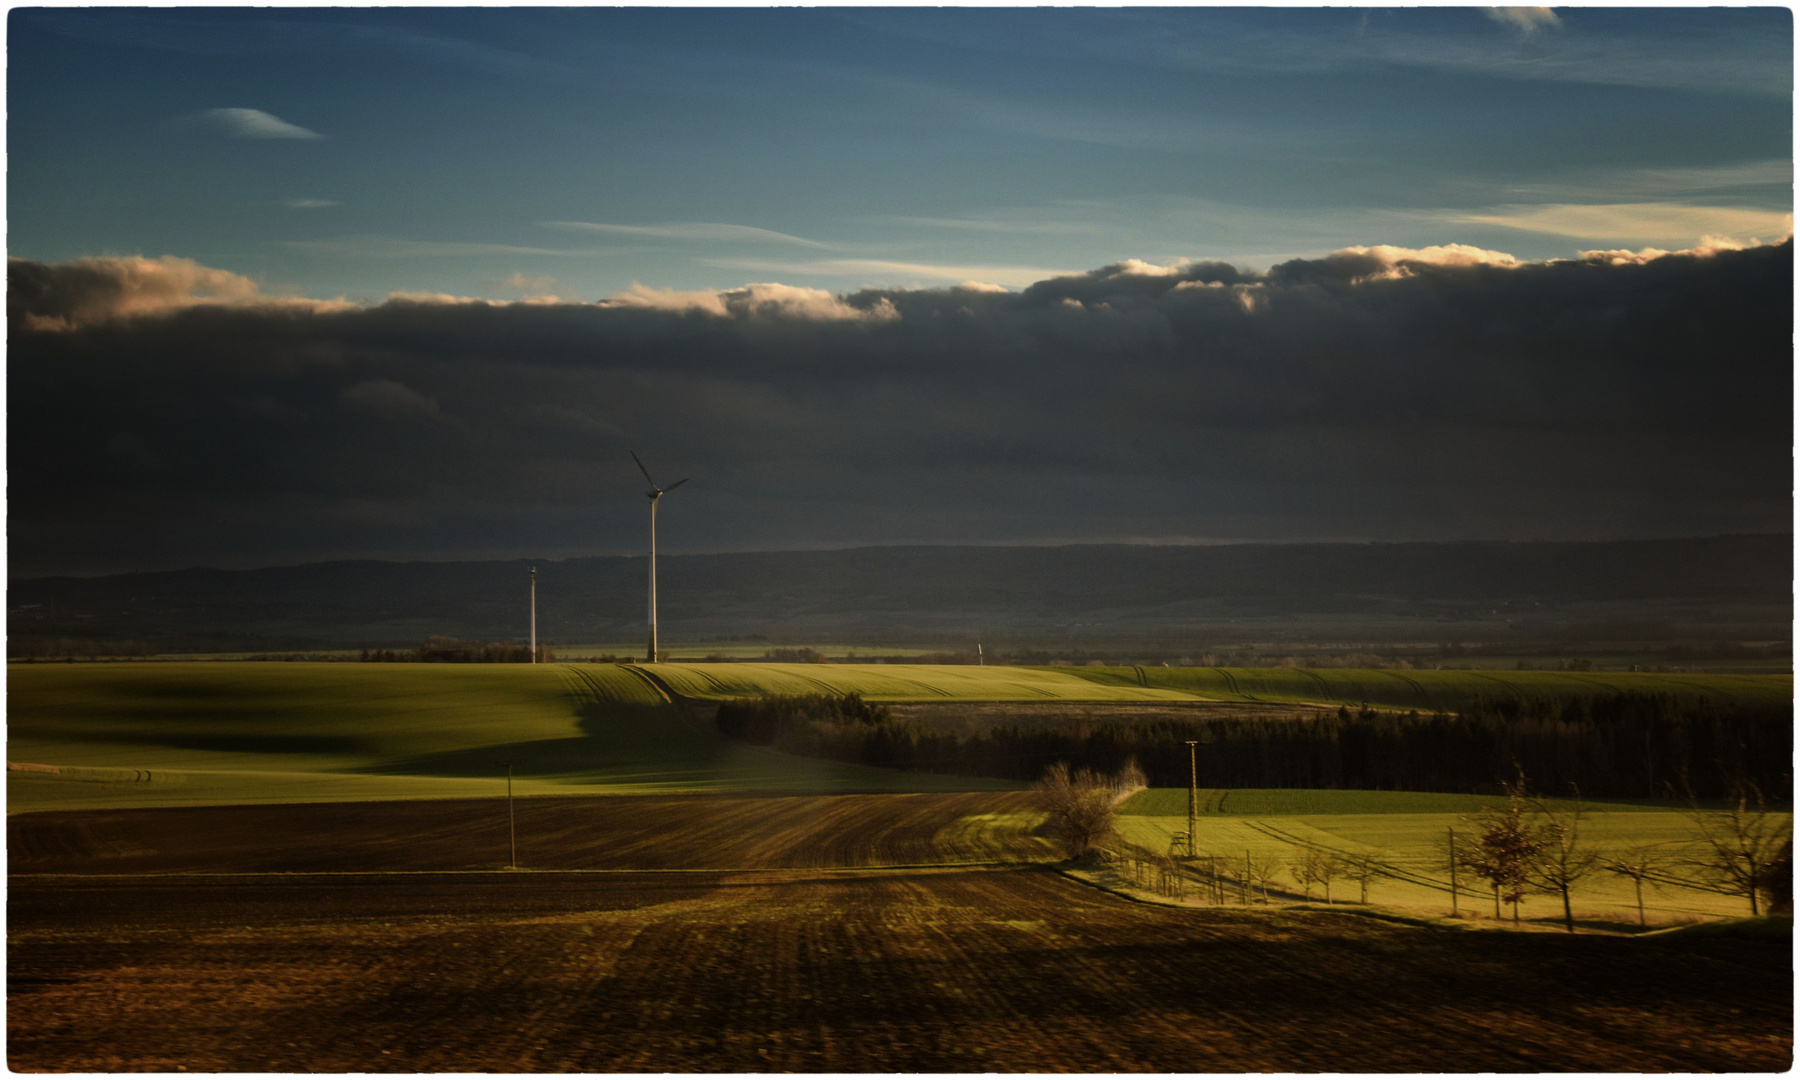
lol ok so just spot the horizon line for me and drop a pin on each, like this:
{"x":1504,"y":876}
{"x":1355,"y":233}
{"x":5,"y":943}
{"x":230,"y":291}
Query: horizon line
{"x":1046,"y":544}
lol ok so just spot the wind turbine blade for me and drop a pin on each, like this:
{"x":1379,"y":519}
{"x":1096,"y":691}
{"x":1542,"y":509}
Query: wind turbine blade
{"x":640,"y":466}
{"x":675,"y":485}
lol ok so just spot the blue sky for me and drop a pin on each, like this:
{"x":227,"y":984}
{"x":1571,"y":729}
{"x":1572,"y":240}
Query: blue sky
{"x":511,"y":152}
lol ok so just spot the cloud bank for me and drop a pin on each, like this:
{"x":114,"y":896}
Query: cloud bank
{"x":43,"y":297}
{"x":165,"y":413}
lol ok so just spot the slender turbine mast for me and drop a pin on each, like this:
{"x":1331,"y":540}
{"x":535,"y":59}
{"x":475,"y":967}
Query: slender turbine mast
{"x":534,"y":614}
{"x":654,"y":493}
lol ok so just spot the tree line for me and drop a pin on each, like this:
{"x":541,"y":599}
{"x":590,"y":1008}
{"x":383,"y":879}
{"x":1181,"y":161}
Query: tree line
{"x":449,"y":650}
{"x":1628,"y":745}
{"x":1515,"y":848}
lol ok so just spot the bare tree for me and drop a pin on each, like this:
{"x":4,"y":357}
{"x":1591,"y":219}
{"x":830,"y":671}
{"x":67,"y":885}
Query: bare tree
{"x":1559,"y":859}
{"x":1740,"y":845}
{"x":1330,"y":866}
{"x":1262,"y":870}
{"x":1083,"y":805}
{"x":1305,"y":869}
{"x":1640,"y":863}
{"x":1315,"y":866}
{"x":1362,"y":869}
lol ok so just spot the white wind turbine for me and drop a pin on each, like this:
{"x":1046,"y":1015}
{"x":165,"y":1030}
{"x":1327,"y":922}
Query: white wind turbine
{"x":655,"y":493}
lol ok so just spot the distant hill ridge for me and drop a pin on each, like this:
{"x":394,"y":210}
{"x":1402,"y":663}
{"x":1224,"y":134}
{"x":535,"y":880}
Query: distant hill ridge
{"x":1725,"y":587}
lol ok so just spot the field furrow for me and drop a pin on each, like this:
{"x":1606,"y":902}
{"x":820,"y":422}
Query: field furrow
{"x":559,"y":833}
{"x":936,"y":971}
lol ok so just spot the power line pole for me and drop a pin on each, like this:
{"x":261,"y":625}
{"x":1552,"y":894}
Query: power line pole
{"x":534,"y":614}
{"x":1193,"y":797}
{"x":512,"y":829}
{"x":1453,"y":873}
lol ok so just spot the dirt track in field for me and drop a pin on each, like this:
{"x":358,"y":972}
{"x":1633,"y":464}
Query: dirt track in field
{"x":940,"y":971}
{"x":678,"y":832}
{"x":779,"y":934}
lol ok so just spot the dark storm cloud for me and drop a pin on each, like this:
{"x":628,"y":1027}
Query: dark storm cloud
{"x":165,"y":413}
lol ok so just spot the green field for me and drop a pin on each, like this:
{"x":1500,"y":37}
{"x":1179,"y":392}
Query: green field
{"x":1422,"y":690}
{"x":1428,"y":690}
{"x":137,"y":734}
{"x":901,"y":682}
{"x":1288,"y":802}
{"x":128,"y":734}
{"x":1408,"y":830}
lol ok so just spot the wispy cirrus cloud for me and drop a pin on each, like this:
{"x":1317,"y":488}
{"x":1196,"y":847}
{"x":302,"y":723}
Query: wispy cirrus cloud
{"x":690,"y":230}
{"x":1677,"y":184}
{"x":1744,"y":51}
{"x":1002,"y":225}
{"x":1665,"y":222}
{"x":392,"y":247}
{"x":1019,"y":276}
{"x":247,"y":124}
{"x":166,"y":31}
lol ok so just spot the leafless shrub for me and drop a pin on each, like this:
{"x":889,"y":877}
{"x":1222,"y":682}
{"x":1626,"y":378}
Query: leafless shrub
{"x":1560,"y":859}
{"x":1261,"y":871}
{"x":1640,"y":863}
{"x":1083,"y":805}
{"x":1364,"y":868}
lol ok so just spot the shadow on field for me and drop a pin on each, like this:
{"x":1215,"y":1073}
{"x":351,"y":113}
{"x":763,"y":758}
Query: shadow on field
{"x":536,"y":757}
{"x":929,"y":972}
{"x":232,"y":743}
{"x":614,"y":735}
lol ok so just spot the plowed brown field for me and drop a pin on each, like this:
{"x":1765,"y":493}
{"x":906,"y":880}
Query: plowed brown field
{"x":650,"y":832}
{"x":790,"y":968}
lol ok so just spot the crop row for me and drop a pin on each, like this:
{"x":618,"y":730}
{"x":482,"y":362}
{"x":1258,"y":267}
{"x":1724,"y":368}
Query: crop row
{"x":873,"y":971}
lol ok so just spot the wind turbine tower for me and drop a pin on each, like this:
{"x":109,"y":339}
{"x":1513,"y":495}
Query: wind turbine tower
{"x":534,"y":614}
{"x":655,"y":493}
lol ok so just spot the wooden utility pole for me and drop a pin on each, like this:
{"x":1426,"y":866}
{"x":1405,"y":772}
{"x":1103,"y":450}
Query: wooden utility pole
{"x":1244,"y":887}
{"x":512,"y":829}
{"x":1193,"y":797}
{"x":1453,"y":873}
{"x":534,"y":614}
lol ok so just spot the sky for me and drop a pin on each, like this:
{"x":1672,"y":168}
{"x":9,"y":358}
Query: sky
{"x":290,"y":284}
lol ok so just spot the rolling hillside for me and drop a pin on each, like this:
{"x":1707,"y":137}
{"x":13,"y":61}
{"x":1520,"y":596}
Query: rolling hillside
{"x":1432,"y":690}
{"x":124,"y":734}
{"x":1701,"y":589}
{"x":195,"y":733}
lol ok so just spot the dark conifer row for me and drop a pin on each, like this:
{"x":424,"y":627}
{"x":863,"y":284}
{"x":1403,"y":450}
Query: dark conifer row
{"x":1623,"y":746}
{"x":449,"y":650}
